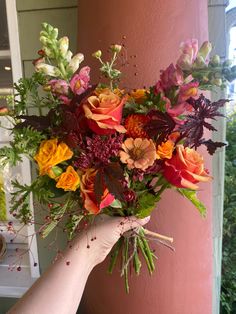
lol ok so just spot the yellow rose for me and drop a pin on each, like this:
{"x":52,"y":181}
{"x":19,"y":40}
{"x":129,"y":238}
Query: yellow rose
{"x":165,"y":150}
{"x":139,"y":95}
{"x":50,"y":154}
{"x":69,"y":180}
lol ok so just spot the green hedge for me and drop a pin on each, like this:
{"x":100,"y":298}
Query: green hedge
{"x":228,"y":284}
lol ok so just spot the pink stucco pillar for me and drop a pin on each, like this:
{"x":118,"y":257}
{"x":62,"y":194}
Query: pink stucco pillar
{"x":182,"y":283}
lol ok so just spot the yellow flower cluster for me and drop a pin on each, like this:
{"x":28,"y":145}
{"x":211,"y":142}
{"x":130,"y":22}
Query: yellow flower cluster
{"x":50,"y":154}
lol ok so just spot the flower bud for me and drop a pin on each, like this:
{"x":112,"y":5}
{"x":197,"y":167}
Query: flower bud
{"x":44,"y":40}
{"x":215,"y":60}
{"x":63,"y":45}
{"x":3,"y":111}
{"x":55,"y":172}
{"x":97,"y":54}
{"x":75,"y":62}
{"x":205,"y":49}
{"x":48,"y":52}
{"x":184,"y":62}
{"x":39,"y":60}
{"x":217,"y":81}
{"x":116,"y":48}
{"x":199,"y":63}
{"x":55,"y":33}
{"x":68,"y":56}
{"x":41,"y":52}
{"x":49,"y":28}
{"x":227,"y":63}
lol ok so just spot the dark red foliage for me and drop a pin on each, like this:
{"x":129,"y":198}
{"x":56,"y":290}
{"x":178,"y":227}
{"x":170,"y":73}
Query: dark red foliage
{"x":211,"y":145}
{"x":160,"y":126}
{"x":111,"y":177}
{"x":195,"y":123}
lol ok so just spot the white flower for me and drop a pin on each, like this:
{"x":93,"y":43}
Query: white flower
{"x":75,"y":62}
{"x":68,"y":56}
{"x":63,"y":45}
{"x":47,"y":69}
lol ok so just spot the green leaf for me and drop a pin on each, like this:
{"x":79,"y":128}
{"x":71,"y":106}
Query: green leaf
{"x":192,"y":197}
{"x":3,"y":209}
{"x":56,"y":214}
{"x":72,"y":224}
{"x":116,"y":204}
{"x":147,"y":202}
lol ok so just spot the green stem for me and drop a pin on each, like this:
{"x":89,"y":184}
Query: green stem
{"x":63,"y":70}
{"x":137,"y":263}
{"x":125,"y":259}
{"x":147,"y":249}
{"x":114,"y":255}
{"x":141,"y":246}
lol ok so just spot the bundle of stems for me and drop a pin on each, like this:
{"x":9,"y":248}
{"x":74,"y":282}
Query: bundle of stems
{"x":130,"y":247}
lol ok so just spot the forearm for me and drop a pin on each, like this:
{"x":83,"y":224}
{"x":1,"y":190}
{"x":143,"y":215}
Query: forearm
{"x":60,"y":288}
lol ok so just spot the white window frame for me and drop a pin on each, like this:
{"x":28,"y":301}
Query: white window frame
{"x":15,"y":55}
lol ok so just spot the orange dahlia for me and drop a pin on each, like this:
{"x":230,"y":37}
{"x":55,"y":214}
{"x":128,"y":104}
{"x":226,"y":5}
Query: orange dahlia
{"x":135,"y":124}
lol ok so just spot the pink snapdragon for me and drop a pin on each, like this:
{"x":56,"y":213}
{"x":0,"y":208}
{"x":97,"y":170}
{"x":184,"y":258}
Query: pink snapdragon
{"x":80,"y":82}
{"x":59,"y":87}
{"x":188,"y":90}
{"x":170,"y":77}
{"x":189,"y":50}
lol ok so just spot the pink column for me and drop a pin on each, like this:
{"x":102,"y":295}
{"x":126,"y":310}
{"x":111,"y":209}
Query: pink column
{"x":182,"y":282}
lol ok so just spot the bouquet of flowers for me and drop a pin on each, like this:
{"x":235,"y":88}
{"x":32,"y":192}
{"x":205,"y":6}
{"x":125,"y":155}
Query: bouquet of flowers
{"x":100,"y":149}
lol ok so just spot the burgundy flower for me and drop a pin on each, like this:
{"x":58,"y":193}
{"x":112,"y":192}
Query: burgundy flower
{"x":98,"y":151}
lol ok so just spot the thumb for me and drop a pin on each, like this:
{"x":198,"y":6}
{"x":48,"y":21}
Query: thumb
{"x":132,"y":222}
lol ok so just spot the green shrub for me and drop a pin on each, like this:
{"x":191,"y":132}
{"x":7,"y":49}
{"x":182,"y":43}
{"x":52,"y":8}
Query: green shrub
{"x":228,"y":284}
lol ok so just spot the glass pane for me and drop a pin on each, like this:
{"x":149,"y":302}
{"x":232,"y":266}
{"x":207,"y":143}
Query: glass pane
{"x":4,"y":41}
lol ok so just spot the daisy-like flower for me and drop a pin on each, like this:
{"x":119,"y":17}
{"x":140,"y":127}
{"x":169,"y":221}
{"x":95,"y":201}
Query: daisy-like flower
{"x":138,"y":153}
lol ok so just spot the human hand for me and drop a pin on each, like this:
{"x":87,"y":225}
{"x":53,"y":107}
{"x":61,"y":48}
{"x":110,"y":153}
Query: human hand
{"x":105,"y":232}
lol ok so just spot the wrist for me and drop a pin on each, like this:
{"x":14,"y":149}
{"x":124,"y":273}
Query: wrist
{"x":86,"y":251}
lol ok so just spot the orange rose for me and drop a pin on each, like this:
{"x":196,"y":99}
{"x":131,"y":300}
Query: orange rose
{"x":104,"y":112}
{"x":69,"y":180}
{"x":165,"y":150}
{"x":50,"y":154}
{"x":185,"y":168}
{"x":87,"y":190}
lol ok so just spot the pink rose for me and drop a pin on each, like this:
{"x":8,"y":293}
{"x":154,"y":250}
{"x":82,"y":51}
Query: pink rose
{"x":80,"y":82}
{"x":103,"y":111}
